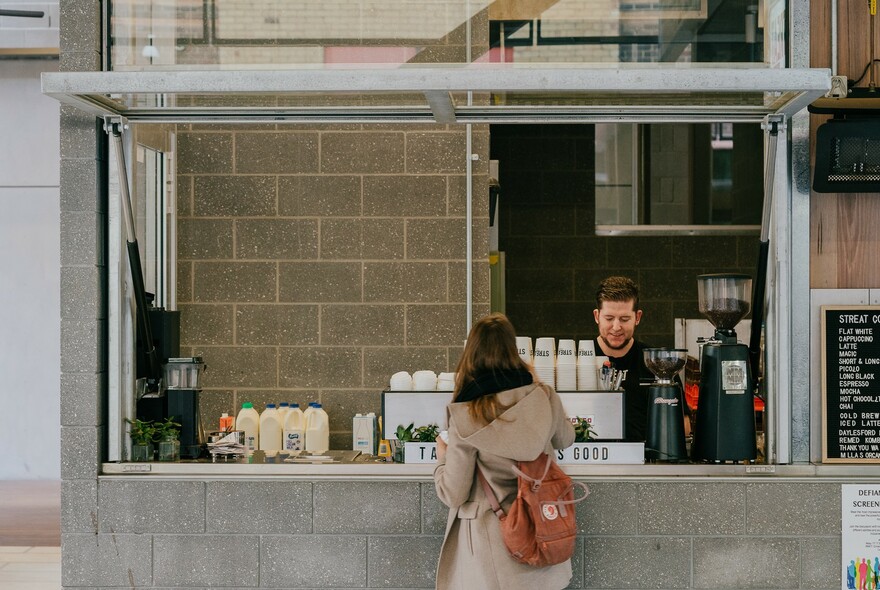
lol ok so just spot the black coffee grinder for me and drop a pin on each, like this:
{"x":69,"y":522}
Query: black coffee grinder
{"x":665,"y":439}
{"x":184,"y":385}
{"x":725,"y":428}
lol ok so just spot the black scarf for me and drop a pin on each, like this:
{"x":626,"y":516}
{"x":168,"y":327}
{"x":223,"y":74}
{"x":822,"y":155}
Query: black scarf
{"x":491,"y":381}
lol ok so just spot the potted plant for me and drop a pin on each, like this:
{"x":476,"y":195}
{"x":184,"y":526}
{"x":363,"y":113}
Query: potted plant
{"x":404,"y":435}
{"x":416,"y":445}
{"x":583,"y":430}
{"x":168,"y":437}
{"x":427,"y":433}
{"x":142,"y":433}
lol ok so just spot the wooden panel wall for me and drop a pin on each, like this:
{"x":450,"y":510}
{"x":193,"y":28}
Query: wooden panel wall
{"x":844,"y":228}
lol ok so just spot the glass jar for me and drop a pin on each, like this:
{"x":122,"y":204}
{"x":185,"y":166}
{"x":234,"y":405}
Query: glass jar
{"x":169,"y":449}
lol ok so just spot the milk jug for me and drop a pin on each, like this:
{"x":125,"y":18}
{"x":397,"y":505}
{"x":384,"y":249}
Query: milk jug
{"x":317,"y":430}
{"x":270,"y":429}
{"x":248,"y":420}
{"x":283,"y":408}
{"x":294,"y":429}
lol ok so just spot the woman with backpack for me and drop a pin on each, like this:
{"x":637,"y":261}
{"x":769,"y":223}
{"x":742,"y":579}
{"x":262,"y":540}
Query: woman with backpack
{"x":499,"y":416}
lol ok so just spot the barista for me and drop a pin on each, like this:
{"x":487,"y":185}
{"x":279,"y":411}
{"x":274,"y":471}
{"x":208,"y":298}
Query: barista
{"x":617,"y":314}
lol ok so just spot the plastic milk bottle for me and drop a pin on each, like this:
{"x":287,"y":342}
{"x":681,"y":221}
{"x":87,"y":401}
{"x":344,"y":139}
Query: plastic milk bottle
{"x":283,"y":408}
{"x":318,"y":430}
{"x":249,"y":421}
{"x":294,"y":430}
{"x":270,"y":429}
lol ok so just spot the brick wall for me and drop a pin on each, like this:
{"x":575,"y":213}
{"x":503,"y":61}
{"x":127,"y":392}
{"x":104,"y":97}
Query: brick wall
{"x":554,"y":259}
{"x":313,"y":263}
{"x":246,"y":533}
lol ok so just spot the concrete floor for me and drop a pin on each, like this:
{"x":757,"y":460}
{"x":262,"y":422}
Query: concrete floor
{"x":30,"y":535}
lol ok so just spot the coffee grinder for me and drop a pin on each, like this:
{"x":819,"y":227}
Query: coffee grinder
{"x":665,"y":438}
{"x":725,"y":428}
{"x":184,"y":385}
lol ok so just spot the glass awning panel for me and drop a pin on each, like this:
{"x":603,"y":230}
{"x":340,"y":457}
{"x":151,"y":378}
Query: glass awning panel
{"x":478,"y":93}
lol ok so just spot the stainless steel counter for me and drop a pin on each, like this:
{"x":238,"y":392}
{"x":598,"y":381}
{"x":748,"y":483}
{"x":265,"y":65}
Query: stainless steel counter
{"x":400,"y":471}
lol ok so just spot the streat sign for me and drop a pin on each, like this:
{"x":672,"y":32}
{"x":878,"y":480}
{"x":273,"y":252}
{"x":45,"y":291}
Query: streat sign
{"x":602,"y":453}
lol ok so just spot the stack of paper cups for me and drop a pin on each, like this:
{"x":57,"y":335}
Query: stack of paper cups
{"x":524,"y":349}
{"x":545,"y":360}
{"x":566,"y":366}
{"x":586,"y":366}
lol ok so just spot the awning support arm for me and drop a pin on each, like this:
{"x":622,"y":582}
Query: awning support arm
{"x":115,"y":126}
{"x":772,"y":125}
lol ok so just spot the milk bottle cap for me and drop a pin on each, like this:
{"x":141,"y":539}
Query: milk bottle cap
{"x":247,"y":405}
{"x":284,"y":405}
{"x":294,"y":405}
{"x":270,"y":406}
{"x":224,"y":415}
{"x":317,"y":405}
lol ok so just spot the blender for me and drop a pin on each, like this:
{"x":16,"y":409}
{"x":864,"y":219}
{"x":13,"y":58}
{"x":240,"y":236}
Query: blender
{"x":725,"y":428}
{"x":665,"y":438}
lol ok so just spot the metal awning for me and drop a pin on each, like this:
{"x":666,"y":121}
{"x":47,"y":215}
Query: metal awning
{"x":448,"y":93}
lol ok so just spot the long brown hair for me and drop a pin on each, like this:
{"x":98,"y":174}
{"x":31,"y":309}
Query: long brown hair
{"x":491,"y":345}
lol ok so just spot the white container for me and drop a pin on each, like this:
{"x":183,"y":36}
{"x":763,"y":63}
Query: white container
{"x":294,"y":434}
{"x":283,"y":408}
{"x":317,"y":430}
{"x":248,"y":420}
{"x":565,"y":353}
{"x":524,"y":348}
{"x":401,"y":381}
{"x":424,"y":381}
{"x":446,"y":382}
{"x":363,"y":436}
{"x":270,"y":429}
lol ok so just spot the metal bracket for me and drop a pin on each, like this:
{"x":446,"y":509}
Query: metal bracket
{"x":839,"y":87}
{"x":774,"y":124}
{"x":114,"y":124}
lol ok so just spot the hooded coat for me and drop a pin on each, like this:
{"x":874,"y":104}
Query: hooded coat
{"x":473,"y":556}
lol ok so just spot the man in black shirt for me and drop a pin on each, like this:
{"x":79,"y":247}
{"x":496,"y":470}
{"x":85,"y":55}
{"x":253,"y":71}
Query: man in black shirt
{"x":617,"y":314}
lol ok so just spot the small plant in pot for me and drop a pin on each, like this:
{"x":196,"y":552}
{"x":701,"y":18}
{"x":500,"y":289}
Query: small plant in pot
{"x":583,"y":430}
{"x":142,"y":433}
{"x":168,"y":437}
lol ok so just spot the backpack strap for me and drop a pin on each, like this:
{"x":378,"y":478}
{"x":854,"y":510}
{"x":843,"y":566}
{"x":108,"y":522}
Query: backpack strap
{"x":490,"y":495}
{"x":536,"y":483}
{"x":561,"y":504}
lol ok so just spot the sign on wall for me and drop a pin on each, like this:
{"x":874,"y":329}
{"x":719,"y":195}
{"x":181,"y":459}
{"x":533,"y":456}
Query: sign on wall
{"x":850,"y":384}
{"x":860,"y":536}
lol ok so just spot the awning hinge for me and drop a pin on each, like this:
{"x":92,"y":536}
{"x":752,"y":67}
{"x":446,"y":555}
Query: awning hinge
{"x":114,"y":124}
{"x":774,"y":124}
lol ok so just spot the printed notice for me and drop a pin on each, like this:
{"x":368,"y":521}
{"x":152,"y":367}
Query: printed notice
{"x":860,"y":536}
{"x":851,"y":384}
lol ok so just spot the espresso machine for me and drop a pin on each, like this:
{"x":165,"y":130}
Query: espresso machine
{"x":725,"y":428}
{"x":665,"y":438}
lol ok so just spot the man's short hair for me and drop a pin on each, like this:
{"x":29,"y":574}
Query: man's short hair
{"x":618,"y":289}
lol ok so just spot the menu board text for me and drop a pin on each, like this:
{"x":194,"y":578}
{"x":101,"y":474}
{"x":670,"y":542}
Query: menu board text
{"x":851,"y":384}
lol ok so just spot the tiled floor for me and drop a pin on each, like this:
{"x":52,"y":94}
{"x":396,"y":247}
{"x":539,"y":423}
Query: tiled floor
{"x":30,"y":535}
{"x":30,"y":568}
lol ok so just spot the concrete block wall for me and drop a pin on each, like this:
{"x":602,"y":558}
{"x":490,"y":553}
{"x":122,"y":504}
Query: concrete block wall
{"x":269,"y":533}
{"x":314,"y":262}
{"x":554,"y":259}
{"x":83,"y":286}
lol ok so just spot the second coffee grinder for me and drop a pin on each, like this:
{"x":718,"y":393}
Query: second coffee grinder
{"x":665,"y":438}
{"x":725,"y":429}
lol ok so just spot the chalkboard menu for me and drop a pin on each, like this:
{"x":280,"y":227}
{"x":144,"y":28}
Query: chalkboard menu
{"x":851,"y":384}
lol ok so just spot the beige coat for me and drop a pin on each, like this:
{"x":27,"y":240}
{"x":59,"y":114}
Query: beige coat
{"x":473,"y":555}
